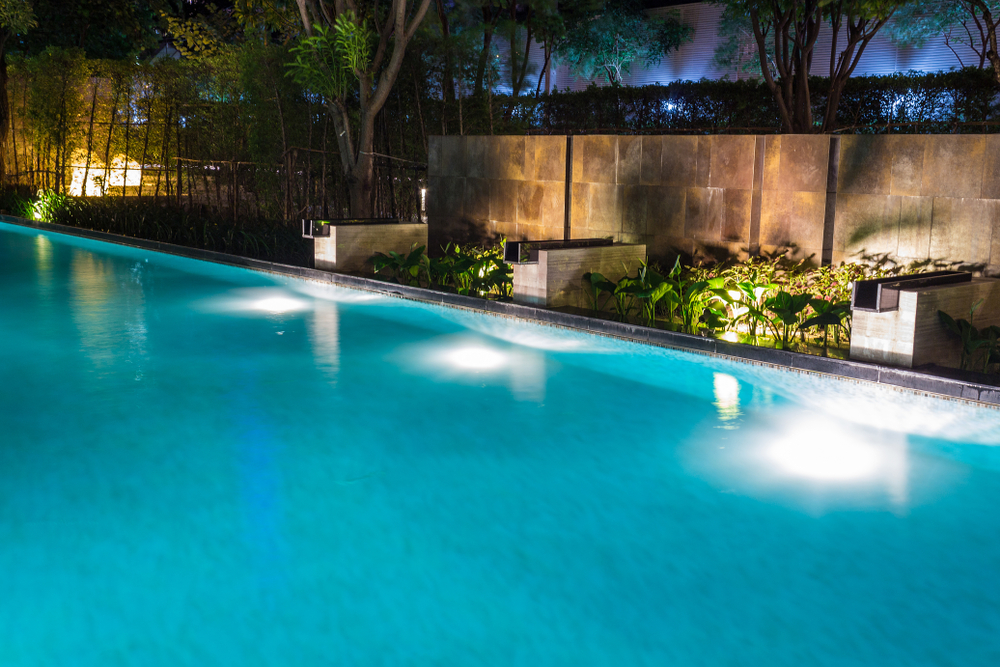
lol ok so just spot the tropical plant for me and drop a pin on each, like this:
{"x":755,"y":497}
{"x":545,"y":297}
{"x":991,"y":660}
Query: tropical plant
{"x":786,"y":316}
{"x":405,"y":269}
{"x":828,"y":314}
{"x":978,"y":345}
{"x":594,"y":285}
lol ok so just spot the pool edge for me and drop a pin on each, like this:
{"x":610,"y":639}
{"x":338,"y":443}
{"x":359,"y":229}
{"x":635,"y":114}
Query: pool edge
{"x":902,"y":379}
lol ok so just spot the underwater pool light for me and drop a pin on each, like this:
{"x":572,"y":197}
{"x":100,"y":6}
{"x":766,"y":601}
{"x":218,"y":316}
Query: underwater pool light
{"x":278,"y":304}
{"x":827,"y":458}
{"x":476,"y":358}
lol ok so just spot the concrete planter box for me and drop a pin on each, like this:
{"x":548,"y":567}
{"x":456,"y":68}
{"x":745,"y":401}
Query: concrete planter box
{"x":348,"y":246}
{"x":913,"y":335}
{"x":556,"y":279}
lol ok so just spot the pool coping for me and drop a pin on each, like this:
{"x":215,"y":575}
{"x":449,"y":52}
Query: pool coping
{"x":897,"y":378}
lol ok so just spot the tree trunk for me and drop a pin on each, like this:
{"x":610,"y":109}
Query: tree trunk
{"x":360,"y":183}
{"x":490,"y":22}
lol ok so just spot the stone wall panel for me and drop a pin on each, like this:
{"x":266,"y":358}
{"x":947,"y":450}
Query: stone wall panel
{"x":991,"y":168}
{"x":907,"y":152}
{"x":650,"y":172}
{"x":865,"y":165}
{"x":679,"y":161}
{"x":960,"y":231}
{"x":953,"y":166}
{"x":732,"y":162}
{"x":704,"y":211}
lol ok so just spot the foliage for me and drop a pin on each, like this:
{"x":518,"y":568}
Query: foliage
{"x":169,"y":223}
{"x":969,"y":23}
{"x":248,"y":237}
{"x":605,"y":46}
{"x":17,"y":16}
{"x":334,"y":39}
{"x":979,"y":346}
{"x":116,"y":29}
{"x":470,"y":270}
{"x":793,"y":27}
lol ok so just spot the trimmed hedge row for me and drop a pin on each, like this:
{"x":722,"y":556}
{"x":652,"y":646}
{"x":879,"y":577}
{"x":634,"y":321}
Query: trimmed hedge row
{"x":965,"y":100}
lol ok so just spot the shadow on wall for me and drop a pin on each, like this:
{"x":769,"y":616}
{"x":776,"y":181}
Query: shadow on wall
{"x":462,"y":231}
{"x":877,"y":242}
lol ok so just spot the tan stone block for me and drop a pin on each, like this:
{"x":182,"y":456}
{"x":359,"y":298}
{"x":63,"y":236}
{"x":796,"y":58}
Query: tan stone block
{"x":907,"y":163}
{"x":508,"y":230}
{"x":915,"y":215}
{"x":554,"y":206}
{"x":867,"y":223}
{"x":580,"y":210}
{"x":445,"y":196}
{"x":666,"y":209}
{"x":595,"y":159}
{"x":991,"y":168}
{"x":679,"y":161}
{"x":650,"y":171}
{"x":804,"y":161}
{"x":477,"y":198}
{"x":529,"y":202}
{"x":704,"y":212}
{"x":503,"y":201}
{"x":634,"y":209}
{"x":736,"y":217}
{"x":704,"y":167}
{"x":865,"y":165}
{"x":993,"y":212}
{"x":507,"y":156}
{"x":479,"y":157}
{"x":605,"y":209}
{"x":732,"y":160}
{"x":629,"y":160}
{"x":953,"y":165}
{"x":794,"y":218}
{"x":772,"y":162}
{"x":961,"y":231}
{"x":446,"y":156}
{"x":550,"y":159}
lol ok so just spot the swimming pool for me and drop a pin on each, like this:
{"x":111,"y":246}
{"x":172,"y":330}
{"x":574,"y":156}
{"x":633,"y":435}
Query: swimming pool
{"x":205,"y":465}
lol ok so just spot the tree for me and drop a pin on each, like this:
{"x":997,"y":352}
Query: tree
{"x":113,"y":29}
{"x":971,"y":23}
{"x":352,"y":57}
{"x":605,"y":45}
{"x":792,"y":27}
{"x":16,"y":17}
{"x":990,"y":14}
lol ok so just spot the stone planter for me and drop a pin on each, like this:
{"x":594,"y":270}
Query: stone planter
{"x":552,"y":273}
{"x":910,"y":332}
{"x":347,"y":245}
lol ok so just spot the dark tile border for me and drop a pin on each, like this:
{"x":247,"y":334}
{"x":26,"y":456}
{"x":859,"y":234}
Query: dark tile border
{"x":898,"y":378}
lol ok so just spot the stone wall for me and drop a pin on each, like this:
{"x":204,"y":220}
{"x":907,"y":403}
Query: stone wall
{"x":496,"y":186}
{"x":918,"y":197}
{"x":913,"y":197}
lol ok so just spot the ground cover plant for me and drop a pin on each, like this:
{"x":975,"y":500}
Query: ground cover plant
{"x":768,"y":301}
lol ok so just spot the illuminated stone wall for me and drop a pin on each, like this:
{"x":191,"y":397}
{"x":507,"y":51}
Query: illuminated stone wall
{"x":913,"y":197}
{"x":483,"y":187}
{"x":918,"y":197}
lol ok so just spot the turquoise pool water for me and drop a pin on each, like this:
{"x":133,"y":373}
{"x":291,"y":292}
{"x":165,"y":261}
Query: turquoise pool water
{"x":202,"y":465}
